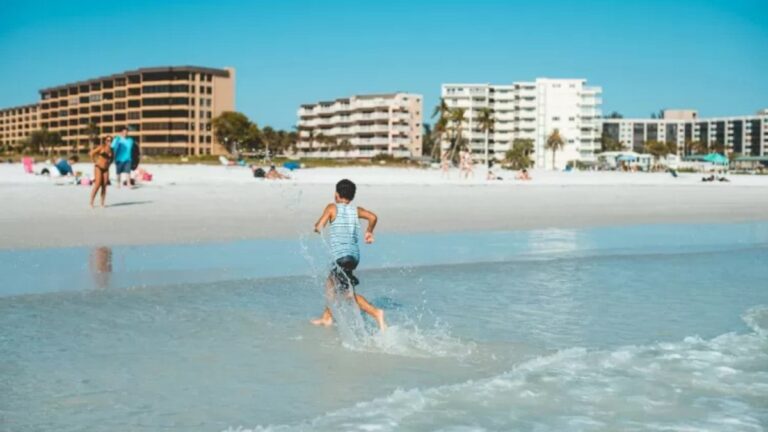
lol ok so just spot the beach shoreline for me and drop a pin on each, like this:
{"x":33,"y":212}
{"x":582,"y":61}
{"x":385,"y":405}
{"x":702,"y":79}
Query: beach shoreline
{"x":217,"y":204}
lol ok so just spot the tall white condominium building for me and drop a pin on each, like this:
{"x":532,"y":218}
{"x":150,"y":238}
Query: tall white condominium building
{"x":747,"y":135}
{"x":362,"y":126}
{"x":531,"y":110}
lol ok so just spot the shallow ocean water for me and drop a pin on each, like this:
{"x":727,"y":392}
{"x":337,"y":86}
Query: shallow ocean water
{"x":661,"y":327}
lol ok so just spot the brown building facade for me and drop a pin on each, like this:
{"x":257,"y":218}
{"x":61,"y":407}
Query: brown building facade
{"x":16,"y":124}
{"x":168,"y":110}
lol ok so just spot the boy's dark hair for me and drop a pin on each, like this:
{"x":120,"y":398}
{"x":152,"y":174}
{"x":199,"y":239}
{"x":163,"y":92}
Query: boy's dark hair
{"x":346,"y":189}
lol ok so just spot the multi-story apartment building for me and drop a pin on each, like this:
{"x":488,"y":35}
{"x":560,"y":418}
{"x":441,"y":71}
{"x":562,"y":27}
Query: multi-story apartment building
{"x":531,"y":110}
{"x":747,"y":135}
{"x":16,"y":124}
{"x":362,"y":126}
{"x":168,"y":110}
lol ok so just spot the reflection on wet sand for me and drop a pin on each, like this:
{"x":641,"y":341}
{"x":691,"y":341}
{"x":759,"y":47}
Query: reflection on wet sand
{"x":100,"y":264}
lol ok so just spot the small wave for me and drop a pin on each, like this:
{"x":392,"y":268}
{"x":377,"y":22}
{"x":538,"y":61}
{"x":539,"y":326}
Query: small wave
{"x":406,"y":338}
{"x":695,"y":384}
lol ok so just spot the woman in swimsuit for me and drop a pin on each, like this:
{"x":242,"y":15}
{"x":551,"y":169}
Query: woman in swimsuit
{"x":102,"y":158}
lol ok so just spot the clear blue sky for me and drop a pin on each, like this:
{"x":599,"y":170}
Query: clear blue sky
{"x":647,"y":55}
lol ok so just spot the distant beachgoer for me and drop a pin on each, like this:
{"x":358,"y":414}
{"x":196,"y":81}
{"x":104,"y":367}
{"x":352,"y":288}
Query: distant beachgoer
{"x":258,"y":172}
{"x":122,"y":149}
{"x":445,"y":163}
{"x":102,"y":158}
{"x":467,"y":164}
{"x":492,"y":176}
{"x":63,"y":166}
{"x":344,"y":221}
{"x":274,"y":174}
{"x":523,"y":175}
{"x":29,"y":164}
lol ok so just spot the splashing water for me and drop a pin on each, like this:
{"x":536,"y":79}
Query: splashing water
{"x":719,"y":384}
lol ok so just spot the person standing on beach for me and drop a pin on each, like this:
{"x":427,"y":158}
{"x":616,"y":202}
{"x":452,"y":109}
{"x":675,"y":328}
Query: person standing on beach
{"x":445,"y":163}
{"x":122,"y":148}
{"x":102,"y":158}
{"x":344,"y":221}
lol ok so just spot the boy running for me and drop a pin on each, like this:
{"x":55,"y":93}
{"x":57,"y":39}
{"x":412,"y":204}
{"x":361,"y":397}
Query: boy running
{"x":345,"y":236}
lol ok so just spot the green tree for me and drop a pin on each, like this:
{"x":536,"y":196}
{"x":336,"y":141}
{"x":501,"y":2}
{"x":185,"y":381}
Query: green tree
{"x":519,"y":156}
{"x":486,"y":122}
{"x":699,"y":147}
{"x":608,"y":143}
{"x":456,"y":118}
{"x":427,"y":139}
{"x":42,"y":141}
{"x":346,"y":146}
{"x":656,"y":149}
{"x":718,"y":147}
{"x":233,"y":129}
{"x":442,"y":112}
{"x":269,"y":138}
{"x":671,"y":147}
{"x":441,"y":128}
{"x":93,"y":131}
{"x":554,"y":143}
{"x":614,"y":115}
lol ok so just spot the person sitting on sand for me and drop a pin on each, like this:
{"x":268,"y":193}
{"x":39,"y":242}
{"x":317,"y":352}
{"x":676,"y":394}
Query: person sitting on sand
{"x":523,"y":175}
{"x":492,"y":176}
{"x":63,"y":166}
{"x":344,"y":221}
{"x":274,"y":174}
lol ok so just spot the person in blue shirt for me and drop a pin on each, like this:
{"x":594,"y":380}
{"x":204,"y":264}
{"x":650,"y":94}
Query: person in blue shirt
{"x":65,"y":166}
{"x":122,"y":148}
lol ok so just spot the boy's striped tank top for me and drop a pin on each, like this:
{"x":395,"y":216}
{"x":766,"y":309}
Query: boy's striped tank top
{"x":345,"y":232}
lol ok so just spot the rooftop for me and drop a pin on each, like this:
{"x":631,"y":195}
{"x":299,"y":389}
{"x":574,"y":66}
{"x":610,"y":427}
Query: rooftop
{"x":212,"y":71}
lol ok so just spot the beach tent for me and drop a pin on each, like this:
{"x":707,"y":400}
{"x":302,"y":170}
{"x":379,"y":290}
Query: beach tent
{"x":716,"y":158}
{"x":626,"y":158}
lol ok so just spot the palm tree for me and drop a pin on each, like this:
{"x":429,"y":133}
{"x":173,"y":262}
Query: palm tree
{"x":441,"y":112}
{"x":486,"y":122}
{"x":555,"y":142}
{"x":92,"y":130}
{"x":441,"y":126}
{"x":456,"y":117}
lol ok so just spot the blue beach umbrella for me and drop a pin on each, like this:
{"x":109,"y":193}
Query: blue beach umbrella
{"x":626,"y":158}
{"x":716,"y":158}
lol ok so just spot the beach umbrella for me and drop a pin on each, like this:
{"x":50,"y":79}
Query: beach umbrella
{"x":716,"y":158}
{"x":626,"y":158}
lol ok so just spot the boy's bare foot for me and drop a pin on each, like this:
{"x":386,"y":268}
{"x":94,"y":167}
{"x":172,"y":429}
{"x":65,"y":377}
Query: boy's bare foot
{"x":322,"y":321}
{"x":379,"y":315}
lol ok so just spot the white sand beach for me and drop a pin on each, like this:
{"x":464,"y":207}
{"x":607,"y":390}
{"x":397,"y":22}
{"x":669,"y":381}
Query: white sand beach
{"x":187,"y":204}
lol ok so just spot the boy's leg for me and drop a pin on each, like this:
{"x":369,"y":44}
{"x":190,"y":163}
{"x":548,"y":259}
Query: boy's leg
{"x":374,"y":312}
{"x":327,"y":318}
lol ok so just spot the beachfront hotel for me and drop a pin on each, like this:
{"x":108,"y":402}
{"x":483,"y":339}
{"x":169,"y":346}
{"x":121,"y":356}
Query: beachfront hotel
{"x":362,"y":126}
{"x":746,"y":135}
{"x":168,"y":110}
{"x":16,"y":123}
{"x":531,"y":110}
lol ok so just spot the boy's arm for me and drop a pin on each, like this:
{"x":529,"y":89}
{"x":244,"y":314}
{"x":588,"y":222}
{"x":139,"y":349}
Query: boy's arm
{"x":324,"y":218}
{"x":372,"y":219}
